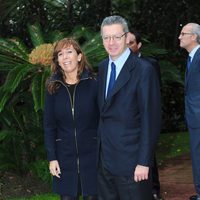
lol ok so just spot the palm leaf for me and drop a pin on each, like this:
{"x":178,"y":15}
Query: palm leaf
{"x":56,"y":35}
{"x":170,"y":73}
{"x":20,"y":44}
{"x":4,"y":98}
{"x":153,"y":50}
{"x":38,"y":88}
{"x":57,"y":3}
{"x":13,"y":79}
{"x":81,"y":32}
{"x":8,"y":62}
{"x":35,"y":32}
{"x":11,"y":48}
{"x":8,"y":7}
{"x":15,"y":76}
{"x":94,"y":50}
{"x":5,"y":133}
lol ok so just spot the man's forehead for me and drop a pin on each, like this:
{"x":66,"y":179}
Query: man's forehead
{"x":187,"y":27}
{"x":114,"y":28}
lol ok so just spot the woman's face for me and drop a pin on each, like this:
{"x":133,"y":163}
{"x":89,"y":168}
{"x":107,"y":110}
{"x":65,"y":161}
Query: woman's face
{"x":68,"y":60}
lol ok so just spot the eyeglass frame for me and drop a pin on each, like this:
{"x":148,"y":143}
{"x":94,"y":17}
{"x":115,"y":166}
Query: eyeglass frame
{"x":183,"y":33}
{"x":114,"y":37}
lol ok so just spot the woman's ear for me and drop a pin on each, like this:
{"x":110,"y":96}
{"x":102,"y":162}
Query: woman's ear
{"x":79,"y":57}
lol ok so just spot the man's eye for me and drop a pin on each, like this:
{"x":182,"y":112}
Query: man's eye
{"x":117,"y":37}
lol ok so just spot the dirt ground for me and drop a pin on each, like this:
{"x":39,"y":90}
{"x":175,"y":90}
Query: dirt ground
{"x":12,"y":185}
{"x":175,"y":178}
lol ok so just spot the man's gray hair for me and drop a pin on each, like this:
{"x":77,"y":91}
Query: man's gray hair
{"x":115,"y":19}
{"x":195,"y":30}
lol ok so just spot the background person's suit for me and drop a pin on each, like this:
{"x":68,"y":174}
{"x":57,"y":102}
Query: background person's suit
{"x":192,"y":113}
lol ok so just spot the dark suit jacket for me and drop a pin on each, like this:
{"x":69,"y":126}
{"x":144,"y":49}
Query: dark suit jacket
{"x":129,"y":117}
{"x":192,"y":93}
{"x":155,"y":64}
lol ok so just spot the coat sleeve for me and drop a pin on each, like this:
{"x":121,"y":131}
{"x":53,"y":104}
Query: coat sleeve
{"x":150,"y":112}
{"x":49,"y":124}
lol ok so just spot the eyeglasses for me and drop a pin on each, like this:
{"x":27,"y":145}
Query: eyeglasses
{"x":182,"y":34}
{"x":114,"y":37}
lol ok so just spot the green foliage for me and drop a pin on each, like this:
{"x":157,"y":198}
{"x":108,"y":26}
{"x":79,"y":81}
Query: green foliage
{"x":22,"y":99}
{"x":41,"y":197}
{"x":170,"y":73}
{"x":36,"y":35}
{"x":41,"y":169}
{"x":171,"y":145}
{"x":45,"y":197}
{"x":21,"y":135}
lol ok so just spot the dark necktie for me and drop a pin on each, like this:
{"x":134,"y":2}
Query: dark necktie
{"x":112,"y":78}
{"x":188,"y":62}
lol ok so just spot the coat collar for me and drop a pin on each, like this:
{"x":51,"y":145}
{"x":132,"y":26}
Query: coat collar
{"x":58,"y":76}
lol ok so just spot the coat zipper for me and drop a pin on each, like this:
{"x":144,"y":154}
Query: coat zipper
{"x":75,"y":134}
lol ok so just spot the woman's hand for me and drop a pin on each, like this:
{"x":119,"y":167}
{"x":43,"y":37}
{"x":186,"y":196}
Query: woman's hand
{"x":54,"y":168}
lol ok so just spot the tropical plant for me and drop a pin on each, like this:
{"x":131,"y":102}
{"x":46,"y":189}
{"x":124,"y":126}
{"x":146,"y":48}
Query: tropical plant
{"x":26,"y":71}
{"x":23,"y":66}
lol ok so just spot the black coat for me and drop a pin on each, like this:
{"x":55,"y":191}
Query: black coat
{"x":71,"y":138}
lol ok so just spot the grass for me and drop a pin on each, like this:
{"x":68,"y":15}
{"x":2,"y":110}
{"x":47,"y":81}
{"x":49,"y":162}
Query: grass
{"x":170,"y":145}
{"x":41,"y":197}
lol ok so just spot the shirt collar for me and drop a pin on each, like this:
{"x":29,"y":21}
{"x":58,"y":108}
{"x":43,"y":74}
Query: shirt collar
{"x":191,"y":54}
{"x":123,"y":57}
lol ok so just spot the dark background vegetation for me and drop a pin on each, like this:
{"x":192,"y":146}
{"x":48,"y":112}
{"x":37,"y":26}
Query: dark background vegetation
{"x":21,"y":136}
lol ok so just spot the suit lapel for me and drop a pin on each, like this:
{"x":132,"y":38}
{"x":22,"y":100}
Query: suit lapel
{"x":193,"y":64}
{"x":103,"y":77}
{"x":122,"y":79}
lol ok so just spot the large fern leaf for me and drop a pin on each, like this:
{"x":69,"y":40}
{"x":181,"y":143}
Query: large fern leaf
{"x":35,"y":32}
{"x":16,"y":75}
{"x":38,"y":88}
{"x":11,"y":48}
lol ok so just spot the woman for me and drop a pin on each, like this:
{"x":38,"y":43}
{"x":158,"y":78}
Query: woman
{"x":70,"y":123}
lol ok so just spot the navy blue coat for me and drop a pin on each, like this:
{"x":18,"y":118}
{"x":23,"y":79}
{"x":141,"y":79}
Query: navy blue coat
{"x":130,"y":118}
{"x":71,"y":139}
{"x":192,"y":93}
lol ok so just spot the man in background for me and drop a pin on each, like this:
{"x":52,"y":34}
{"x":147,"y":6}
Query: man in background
{"x":134,"y":42}
{"x":190,"y":40}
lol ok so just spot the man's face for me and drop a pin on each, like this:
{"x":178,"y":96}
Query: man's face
{"x":114,"y":40}
{"x":187,"y":38}
{"x":132,"y":44}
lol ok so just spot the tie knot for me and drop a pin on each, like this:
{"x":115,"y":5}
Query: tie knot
{"x":189,"y":59}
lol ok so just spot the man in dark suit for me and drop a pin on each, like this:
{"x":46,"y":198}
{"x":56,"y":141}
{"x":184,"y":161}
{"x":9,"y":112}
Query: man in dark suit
{"x":190,"y":40}
{"x":129,"y":101}
{"x":134,"y":42}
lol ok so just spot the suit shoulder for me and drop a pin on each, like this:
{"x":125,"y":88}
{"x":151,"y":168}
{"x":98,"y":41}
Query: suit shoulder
{"x":103,"y":62}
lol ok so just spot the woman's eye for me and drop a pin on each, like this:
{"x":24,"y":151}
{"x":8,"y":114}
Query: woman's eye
{"x":69,"y":51}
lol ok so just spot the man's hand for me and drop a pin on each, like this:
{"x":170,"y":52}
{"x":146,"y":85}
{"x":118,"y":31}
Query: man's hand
{"x":54,"y":168}
{"x":141,"y":173}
